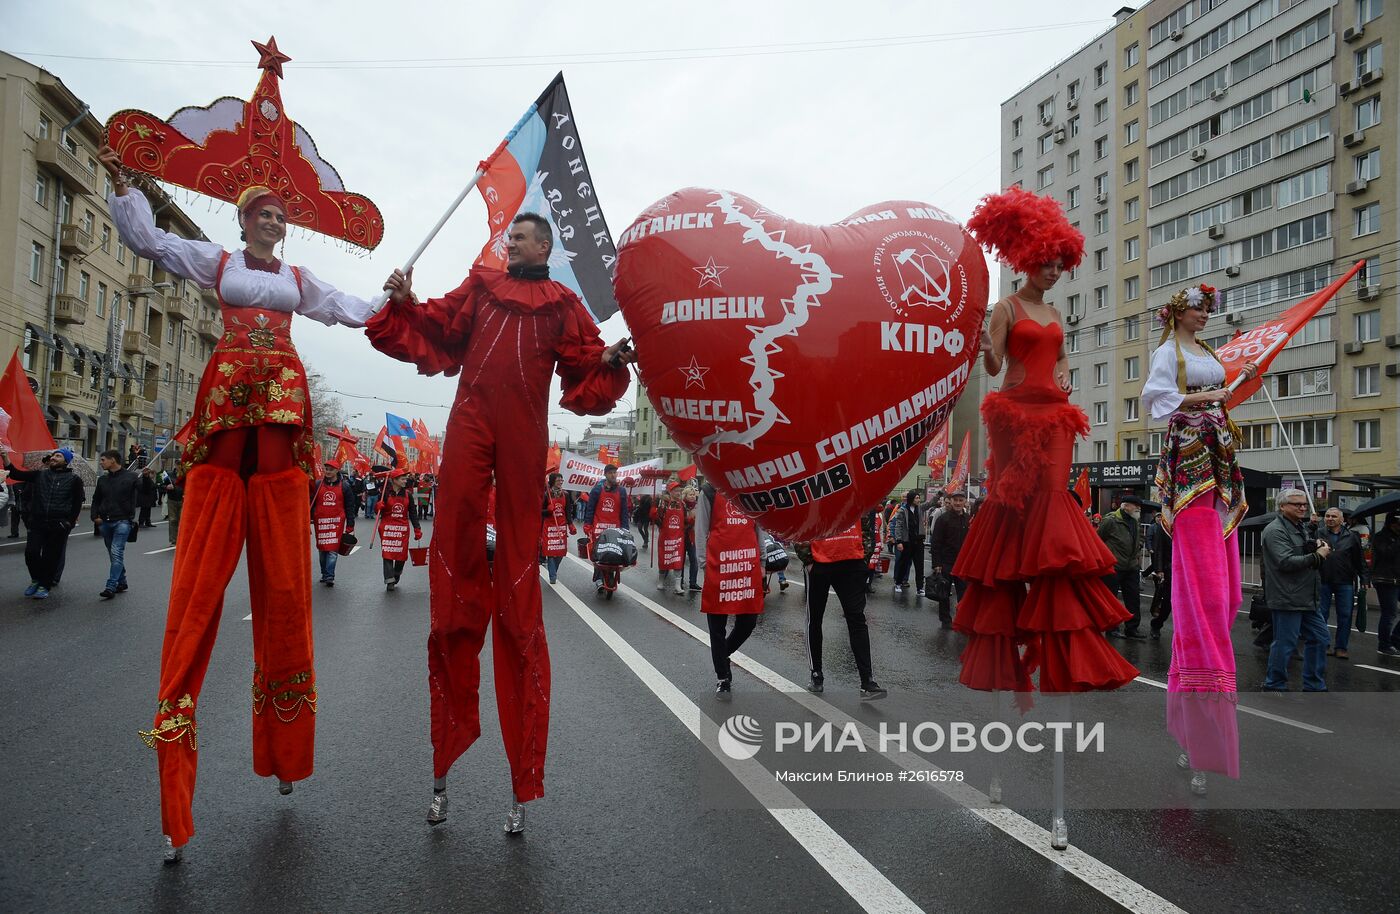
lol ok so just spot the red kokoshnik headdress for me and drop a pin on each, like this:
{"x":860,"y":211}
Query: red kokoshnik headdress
{"x":1027,"y":231}
{"x":231,"y":145}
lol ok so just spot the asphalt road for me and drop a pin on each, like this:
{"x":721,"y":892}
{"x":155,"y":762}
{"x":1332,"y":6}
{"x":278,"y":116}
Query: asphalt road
{"x":640,"y":813}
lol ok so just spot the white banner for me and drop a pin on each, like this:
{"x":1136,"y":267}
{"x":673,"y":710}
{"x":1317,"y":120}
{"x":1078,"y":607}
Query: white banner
{"x":581,"y":474}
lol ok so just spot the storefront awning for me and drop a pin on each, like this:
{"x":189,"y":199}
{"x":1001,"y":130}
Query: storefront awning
{"x":59,"y":414}
{"x":67,"y":345}
{"x":41,"y":334}
{"x":85,"y":419}
{"x":126,"y":429}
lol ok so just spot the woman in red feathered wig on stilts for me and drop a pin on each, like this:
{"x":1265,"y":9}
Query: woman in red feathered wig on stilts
{"x":1035,"y":599}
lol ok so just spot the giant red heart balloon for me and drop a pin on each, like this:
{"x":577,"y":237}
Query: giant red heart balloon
{"x":802,"y":365}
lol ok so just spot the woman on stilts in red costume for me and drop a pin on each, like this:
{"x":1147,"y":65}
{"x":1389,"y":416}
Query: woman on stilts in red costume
{"x":1035,"y":598}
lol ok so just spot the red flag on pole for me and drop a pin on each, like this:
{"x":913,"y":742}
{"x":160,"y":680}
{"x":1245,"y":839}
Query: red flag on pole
{"x":937,"y":456}
{"x":554,"y":457}
{"x":962,"y":467}
{"x":1081,"y":488}
{"x":686,"y":474}
{"x":1261,"y":344}
{"x":27,"y":429}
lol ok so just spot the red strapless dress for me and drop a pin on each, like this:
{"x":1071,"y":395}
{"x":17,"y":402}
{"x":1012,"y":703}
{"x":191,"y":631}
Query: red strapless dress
{"x":1033,"y":563}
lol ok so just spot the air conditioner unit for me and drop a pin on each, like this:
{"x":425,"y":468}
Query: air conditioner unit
{"x":1234,"y":317}
{"x":1354,"y":139}
{"x":1215,"y":232}
{"x":1142,"y":450}
{"x":1217,"y":94}
{"x":1357,"y":186}
{"x":1046,"y":120}
{"x":1073,"y":103}
{"x":1175,"y":35}
{"x":1353,"y":33}
{"x":1393,"y":370}
{"x":1100,"y":198}
{"x":1071,"y":319}
{"x":1232,"y":271}
{"x":1371,"y":76}
{"x":1353,"y":347}
{"x":1348,"y":87}
{"x":1198,"y":154}
{"x":1392,"y":341}
{"x":1059,"y":135}
{"x":1369,"y":293}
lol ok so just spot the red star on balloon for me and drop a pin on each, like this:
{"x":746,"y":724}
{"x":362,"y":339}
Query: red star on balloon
{"x":271,"y":58}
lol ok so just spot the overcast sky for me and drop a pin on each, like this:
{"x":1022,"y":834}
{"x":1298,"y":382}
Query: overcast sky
{"x":814,"y":109}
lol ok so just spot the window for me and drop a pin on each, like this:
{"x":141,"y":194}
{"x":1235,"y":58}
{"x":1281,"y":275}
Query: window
{"x":44,"y":126}
{"x":1368,"y":165}
{"x":1072,"y":304}
{"x":1100,"y":374}
{"x":1047,"y":143}
{"x":1100,"y":111}
{"x":165,"y":372}
{"x":1132,"y":368}
{"x":1304,"y":186}
{"x":89,"y":223}
{"x":1073,"y":125}
{"x":1131,"y":210}
{"x":1368,"y":326}
{"x":1131,"y":133}
{"x":1130,"y":414}
{"x":1305,"y":133}
{"x":41,"y":189}
{"x":1017,"y":157}
{"x":1132,"y":327}
{"x":1073,"y":90}
{"x":1072,"y":342}
{"x":1101,"y":260}
{"x":1304,"y":383}
{"x":1132,"y":248}
{"x":106,"y":239}
{"x":1243,"y":67}
{"x":1045,"y":177}
{"x":1103,"y":334}
{"x":1368,"y":59}
{"x":1368,"y":113}
{"x":1367,"y":219}
{"x":1100,"y":75}
{"x":1368,"y":434}
{"x":1073,"y":198}
{"x":1101,"y":222}
{"x":1100,"y":302}
{"x":36,"y":262}
{"x":1101,"y":185}
{"x":170,"y":331}
{"x":1305,"y":35}
{"x":1255,"y":437}
{"x":1045,"y":111}
{"x":101,"y":303}
{"x":1132,"y":288}
{"x":1132,"y":170}
{"x":1168,"y":107}
{"x":1101,"y":447}
{"x":1100,"y":148}
{"x":1015,"y":128}
{"x":1131,"y":94}
{"x":1367,"y":380}
{"x":1073,"y":161}
{"x":84,"y":284}
{"x":1366,"y":10}
{"x":1074,"y":379}
{"x":1101,"y":418}
{"x":1131,"y":55}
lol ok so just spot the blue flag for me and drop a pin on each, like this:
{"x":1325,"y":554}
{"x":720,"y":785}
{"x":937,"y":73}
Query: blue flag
{"x":397,"y":426}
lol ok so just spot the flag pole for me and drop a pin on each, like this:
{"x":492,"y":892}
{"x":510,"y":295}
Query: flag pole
{"x":1312,"y":509}
{"x":432,"y":233}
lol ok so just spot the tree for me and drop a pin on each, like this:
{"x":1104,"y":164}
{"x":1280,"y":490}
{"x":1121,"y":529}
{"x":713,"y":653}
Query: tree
{"x":327,"y":412}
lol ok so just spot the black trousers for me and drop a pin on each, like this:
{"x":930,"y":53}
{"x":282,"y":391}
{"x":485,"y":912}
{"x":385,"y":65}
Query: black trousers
{"x":847,"y":578}
{"x":393,"y":570}
{"x":1126,"y":586}
{"x":722,"y":645}
{"x":945,"y":607}
{"x":1161,"y":603}
{"x":911,"y":555}
{"x":144,"y":518}
{"x":45,"y":551}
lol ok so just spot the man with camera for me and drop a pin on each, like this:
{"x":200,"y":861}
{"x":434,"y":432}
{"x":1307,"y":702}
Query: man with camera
{"x":1292,"y":558}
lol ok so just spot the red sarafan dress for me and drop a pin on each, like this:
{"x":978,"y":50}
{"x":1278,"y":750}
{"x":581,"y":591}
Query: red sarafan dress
{"x":1035,"y":597}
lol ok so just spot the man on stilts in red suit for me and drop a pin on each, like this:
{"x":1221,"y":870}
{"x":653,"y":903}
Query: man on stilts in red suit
{"x":505,"y":332}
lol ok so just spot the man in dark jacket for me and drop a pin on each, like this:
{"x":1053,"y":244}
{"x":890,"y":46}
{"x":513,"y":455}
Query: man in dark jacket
{"x":55,"y":502}
{"x":1161,"y":573}
{"x":1339,"y":575}
{"x":949,"y":531}
{"x":1121,"y":533}
{"x":1291,"y":561}
{"x":146,"y":495}
{"x":907,"y":534}
{"x":113,"y":511}
{"x":174,"y":486}
{"x":1385,"y":575}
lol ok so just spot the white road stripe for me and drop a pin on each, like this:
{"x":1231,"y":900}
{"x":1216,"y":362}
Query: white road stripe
{"x":1094,"y":872}
{"x":159,"y":551}
{"x":248,"y":618}
{"x":866,"y":885}
{"x":1245,"y":612}
{"x":1378,"y":669}
{"x":1254,"y":711}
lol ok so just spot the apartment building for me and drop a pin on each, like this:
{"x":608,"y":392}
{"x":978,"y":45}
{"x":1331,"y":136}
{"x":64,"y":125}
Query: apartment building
{"x":1253,"y":145}
{"x":650,"y":438}
{"x":87,"y":314}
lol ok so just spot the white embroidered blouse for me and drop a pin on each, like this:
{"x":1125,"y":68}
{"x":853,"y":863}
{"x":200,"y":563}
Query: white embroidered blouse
{"x":1161,"y":396}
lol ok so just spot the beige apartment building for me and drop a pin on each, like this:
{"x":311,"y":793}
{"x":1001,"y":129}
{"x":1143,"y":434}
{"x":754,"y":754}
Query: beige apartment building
{"x":83,"y":310}
{"x":1253,"y":148}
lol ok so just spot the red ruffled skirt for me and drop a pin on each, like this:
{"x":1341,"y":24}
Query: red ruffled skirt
{"x":1034,"y":566}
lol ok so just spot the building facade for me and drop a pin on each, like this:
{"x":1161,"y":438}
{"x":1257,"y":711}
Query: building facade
{"x":86,"y":313}
{"x":1253,"y":149}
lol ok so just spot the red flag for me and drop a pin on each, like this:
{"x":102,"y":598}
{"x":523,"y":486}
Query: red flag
{"x":316,"y":455}
{"x":361,"y":464}
{"x":182,"y":437}
{"x":1261,"y":344}
{"x":937,"y":457}
{"x":27,"y":430}
{"x":961,"y":468}
{"x":555,"y":455}
{"x":1081,"y":488}
{"x":686,"y":474}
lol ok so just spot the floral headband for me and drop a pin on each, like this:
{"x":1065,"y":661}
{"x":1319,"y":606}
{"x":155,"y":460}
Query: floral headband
{"x":1201,"y":297}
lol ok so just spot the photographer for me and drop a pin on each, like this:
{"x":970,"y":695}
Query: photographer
{"x":1291,"y":561}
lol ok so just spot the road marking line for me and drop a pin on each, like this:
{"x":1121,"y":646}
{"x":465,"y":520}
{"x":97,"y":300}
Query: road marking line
{"x":860,"y":879}
{"x":1092,"y":871}
{"x":1244,"y":612}
{"x":248,"y":618}
{"x":159,"y":551}
{"x":1255,"y":711}
{"x":354,"y":549}
{"x":1378,"y":669}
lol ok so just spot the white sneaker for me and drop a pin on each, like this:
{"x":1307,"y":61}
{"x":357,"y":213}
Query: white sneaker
{"x":661,"y":586}
{"x":898,"y":589}
{"x":680,"y":591}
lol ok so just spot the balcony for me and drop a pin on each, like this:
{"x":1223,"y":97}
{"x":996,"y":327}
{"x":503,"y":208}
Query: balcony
{"x":139,"y":284}
{"x":51,"y":154}
{"x":65,"y":384}
{"x":134,"y":342}
{"x":132,"y":405}
{"x":74,"y":239}
{"x":177,"y":309}
{"x":70,"y":309}
{"x":210,"y":331}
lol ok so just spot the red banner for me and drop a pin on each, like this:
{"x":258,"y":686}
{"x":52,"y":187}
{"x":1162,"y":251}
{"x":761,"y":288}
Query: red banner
{"x":962,"y":467}
{"x":1081,"y":488}
{"x":937,"y":457}
{"x":27,"y":429}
